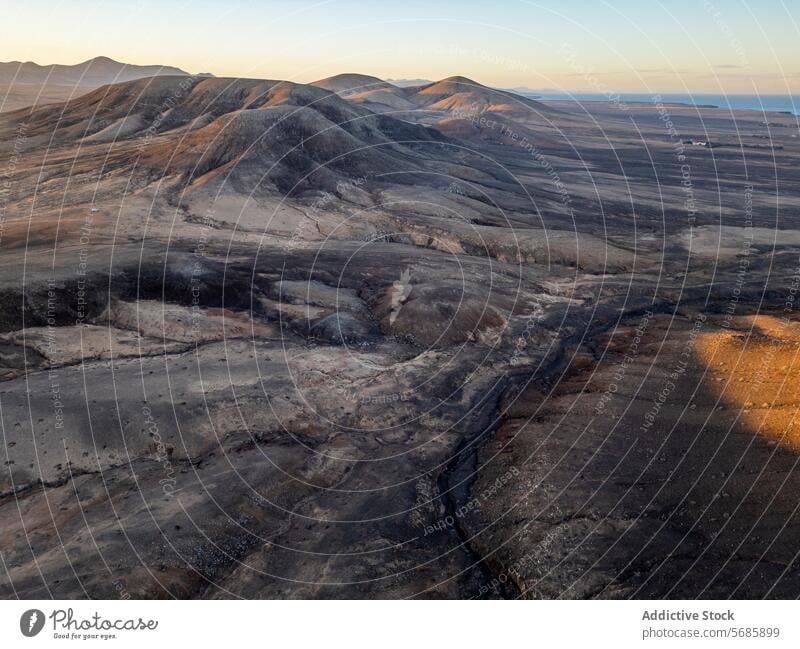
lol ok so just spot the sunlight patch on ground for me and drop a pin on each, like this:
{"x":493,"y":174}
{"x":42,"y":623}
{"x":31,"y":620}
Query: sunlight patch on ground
{"x":756,"y":369}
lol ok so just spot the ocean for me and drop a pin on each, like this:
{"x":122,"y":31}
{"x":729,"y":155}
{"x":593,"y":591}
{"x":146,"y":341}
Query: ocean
{"x":769,"y":103}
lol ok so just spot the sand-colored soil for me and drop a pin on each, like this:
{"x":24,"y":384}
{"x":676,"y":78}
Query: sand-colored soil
{"x":755,"y":369}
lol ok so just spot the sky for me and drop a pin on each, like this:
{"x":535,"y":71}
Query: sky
{"x":612,"y":46}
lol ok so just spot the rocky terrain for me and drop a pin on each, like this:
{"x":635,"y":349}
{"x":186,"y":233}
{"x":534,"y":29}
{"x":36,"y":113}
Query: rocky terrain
{"x":347,"y":339}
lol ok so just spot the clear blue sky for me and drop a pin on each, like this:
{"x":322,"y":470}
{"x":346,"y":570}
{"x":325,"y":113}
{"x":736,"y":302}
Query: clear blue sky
{"x":583,"y":45}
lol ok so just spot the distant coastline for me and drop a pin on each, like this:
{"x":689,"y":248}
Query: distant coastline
{"x":768,"y":103}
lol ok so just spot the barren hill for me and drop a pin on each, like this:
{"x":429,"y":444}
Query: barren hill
{"x":463,"y":96}
{"x":454,"y":96}
{"x":352,"y":84}
{"x":258,"y":135}
{"x":370,"y":92}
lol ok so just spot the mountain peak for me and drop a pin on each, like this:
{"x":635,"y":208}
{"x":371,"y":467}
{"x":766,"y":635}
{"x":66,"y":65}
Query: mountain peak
{"x":351,"y":82}
{"x":460,"y":80}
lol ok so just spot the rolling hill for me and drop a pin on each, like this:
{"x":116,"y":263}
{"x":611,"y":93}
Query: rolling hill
{"x":255,"y":134}
{"x":454,"y":96}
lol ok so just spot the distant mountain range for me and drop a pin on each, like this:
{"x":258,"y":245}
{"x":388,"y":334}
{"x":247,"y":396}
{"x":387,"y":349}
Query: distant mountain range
{"x":26,"y":84}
